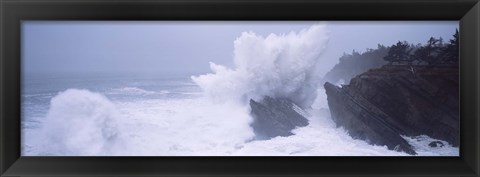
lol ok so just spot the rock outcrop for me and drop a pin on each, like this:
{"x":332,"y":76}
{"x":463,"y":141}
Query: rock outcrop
{"x":382,"y":104}
{"x":275,"y":117}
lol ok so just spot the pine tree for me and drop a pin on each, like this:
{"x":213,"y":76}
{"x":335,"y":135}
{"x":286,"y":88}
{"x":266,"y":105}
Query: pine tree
{"x":398,"y":53}
{"x":451,"y":50}
{"x":429,"y":53}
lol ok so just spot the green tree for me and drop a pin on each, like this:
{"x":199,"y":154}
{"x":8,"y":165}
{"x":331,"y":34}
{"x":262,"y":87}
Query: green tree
{"x":430,"y":52}
{"x":398,"y":53}
{"x":450,"y":52}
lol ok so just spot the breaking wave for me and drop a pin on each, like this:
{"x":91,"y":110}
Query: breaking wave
{"x":276,"y":66}
{"x":79,"y":122}
{"x":85,"y":123}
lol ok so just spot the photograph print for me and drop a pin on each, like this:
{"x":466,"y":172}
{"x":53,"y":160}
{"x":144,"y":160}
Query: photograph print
{"x":240,"y":88}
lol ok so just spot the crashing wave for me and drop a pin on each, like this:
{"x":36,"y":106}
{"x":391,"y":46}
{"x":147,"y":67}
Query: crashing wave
{"x":276,"y":66}
{"x":79,"y":122}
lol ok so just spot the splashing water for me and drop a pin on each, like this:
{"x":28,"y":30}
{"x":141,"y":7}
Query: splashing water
{"x":276,"y":66}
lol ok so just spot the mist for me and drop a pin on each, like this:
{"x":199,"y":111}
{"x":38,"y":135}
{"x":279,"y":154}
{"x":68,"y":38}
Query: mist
{"x":206,"y":111}
{"x":187,"y":47}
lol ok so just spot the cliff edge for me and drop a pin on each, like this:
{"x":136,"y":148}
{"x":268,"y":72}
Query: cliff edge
{"x":382,"y":104}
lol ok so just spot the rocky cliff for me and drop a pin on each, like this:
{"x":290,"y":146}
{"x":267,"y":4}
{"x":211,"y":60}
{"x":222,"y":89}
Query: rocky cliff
{"x":382,"y":104}
{"x":275,"y":117}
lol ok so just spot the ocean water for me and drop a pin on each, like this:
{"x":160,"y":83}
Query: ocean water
{"x":205,"y":114}
{"x":71,"y":115}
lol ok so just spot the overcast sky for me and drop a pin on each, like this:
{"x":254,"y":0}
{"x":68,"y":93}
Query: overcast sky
{"x":188,"y":47}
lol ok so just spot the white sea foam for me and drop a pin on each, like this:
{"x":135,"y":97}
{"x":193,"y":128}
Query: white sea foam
{"x":185,"y":127}
{"x":134,"y":91}
{"x":319,"y":138}
{"x":79,"y":122}
{"x":276,"y":65}
{"x":421,"y":146}
{"x":82,"y":123}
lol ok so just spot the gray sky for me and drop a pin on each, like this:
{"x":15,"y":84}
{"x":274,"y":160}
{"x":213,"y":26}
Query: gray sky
{"x":187,"y":47}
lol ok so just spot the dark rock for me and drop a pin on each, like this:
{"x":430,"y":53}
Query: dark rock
{"x":275,"y":117}
{"x":436,"y":144}
{"x":382,"y":104}
{"x":363,"y":121}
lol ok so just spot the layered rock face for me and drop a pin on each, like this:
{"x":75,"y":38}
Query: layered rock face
{"x":275,"y":117}
{"x":381,"y":104}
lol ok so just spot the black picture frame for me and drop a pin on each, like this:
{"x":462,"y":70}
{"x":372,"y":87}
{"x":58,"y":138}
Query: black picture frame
{"x":14,"y":11}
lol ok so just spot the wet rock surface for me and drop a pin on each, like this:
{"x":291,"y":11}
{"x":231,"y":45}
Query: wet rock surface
{"x":436,"y":144}
{"x":275,"y":117}
{"x":381,"y":104}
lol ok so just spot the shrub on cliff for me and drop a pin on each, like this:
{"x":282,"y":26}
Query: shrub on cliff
{"x":432,"y":53}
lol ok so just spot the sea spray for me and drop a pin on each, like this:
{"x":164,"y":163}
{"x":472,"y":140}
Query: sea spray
{"x":84,"y":123}
{"x":185,"y":127}
{"x":79,"y":122}
{"x":276,"y":65}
